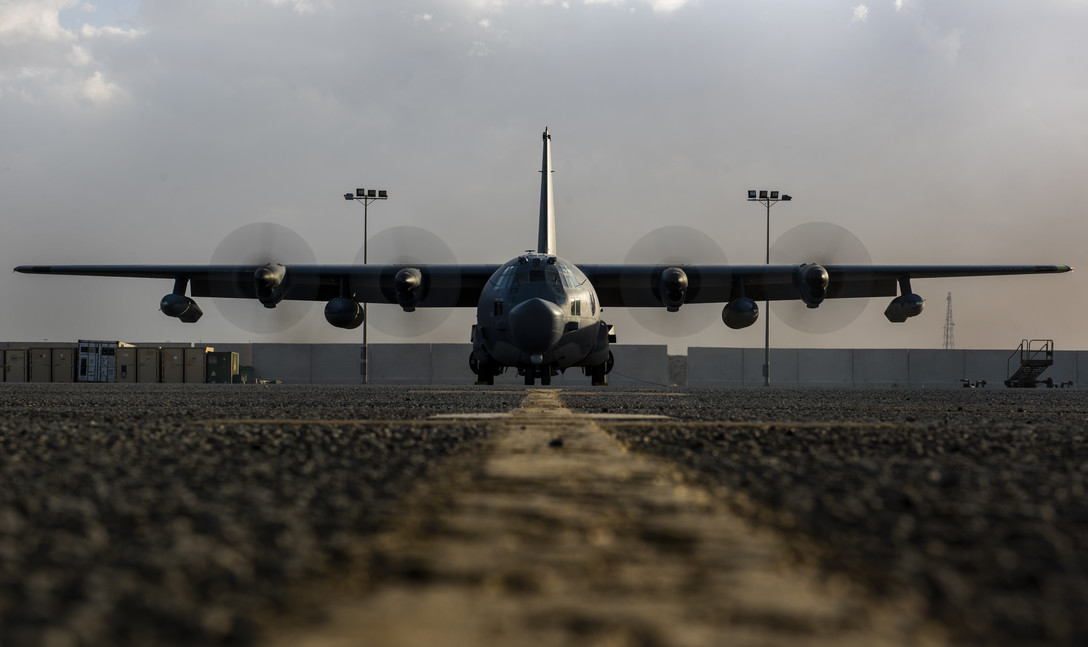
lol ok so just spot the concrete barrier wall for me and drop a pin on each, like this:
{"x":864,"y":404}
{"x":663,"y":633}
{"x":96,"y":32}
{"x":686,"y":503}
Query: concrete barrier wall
{"x":638,"y":365}
{"x":870,"y":367}
{"x":428,"y":364}
{"x":880,"y":367}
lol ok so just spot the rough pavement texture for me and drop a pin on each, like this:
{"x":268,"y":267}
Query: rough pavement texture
{"x":134,"y":514}
{"x":140,"y":515}
{"x":975,"y":500}
{"x":552,"y":535}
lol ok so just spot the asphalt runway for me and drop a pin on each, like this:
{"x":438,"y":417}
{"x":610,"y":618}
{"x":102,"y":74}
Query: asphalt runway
{"x":328,"y":515}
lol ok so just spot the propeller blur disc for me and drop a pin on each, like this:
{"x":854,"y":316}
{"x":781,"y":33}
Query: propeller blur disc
{"x":405,"y":245}
{"x":256,"y":244}
{"x":673,"y":245}
{"x":827,"y":244}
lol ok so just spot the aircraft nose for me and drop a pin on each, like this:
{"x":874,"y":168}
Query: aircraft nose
{"x":536,"y":325}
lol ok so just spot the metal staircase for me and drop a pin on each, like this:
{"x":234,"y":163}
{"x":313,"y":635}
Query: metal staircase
{"x":1034,"y":356}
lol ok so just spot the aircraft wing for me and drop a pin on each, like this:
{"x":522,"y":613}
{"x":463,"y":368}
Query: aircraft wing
{"x":642,"y":285}
{"x":439,"y":285}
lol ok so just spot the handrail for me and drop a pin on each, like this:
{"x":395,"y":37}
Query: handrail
{"x":1032,"y":353}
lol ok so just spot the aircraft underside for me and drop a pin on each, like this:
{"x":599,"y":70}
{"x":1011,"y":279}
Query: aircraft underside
{"x":586,"y":348}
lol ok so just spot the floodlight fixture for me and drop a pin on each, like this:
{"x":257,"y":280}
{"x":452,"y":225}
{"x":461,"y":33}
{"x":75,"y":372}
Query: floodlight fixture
{"x":366,"y":196}
{"x":767,"y":198}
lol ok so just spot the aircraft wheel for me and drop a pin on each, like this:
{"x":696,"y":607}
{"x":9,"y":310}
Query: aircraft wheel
{"x":485,"y":372}
{"x":597,"y":375}
{"x":530,"y":379}
{"x":546,"y":378}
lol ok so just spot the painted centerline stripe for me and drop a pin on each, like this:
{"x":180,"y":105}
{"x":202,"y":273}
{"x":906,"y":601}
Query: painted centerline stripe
{"x":553,"y":534}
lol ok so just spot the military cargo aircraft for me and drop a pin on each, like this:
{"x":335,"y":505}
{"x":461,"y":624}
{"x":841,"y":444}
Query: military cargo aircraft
{"x":538,"y":313}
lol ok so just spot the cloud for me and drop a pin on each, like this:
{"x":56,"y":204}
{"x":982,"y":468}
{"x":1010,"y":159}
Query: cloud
{"x":861,"y":13}
{"x":197,"y":119}
{"x":79,"y":57}
{"x":301,"y":7}
{"x":667,"y":6}
{"x":97,"y":89}
{"x":41,"y":58}
{"x":90,"y":31}
{"x":946,"y":46}
{"x":34,"y":20}
{"x":478,"y":49}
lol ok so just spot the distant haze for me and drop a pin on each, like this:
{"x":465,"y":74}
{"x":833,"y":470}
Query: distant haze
{"x":934,"y":131}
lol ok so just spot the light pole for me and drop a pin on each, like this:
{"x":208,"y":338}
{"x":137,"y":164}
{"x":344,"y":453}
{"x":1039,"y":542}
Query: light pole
{"x":366,"y":196}
{"x":767,"y":198}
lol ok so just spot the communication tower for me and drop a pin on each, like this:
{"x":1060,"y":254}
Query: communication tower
{"x":949,"y":327}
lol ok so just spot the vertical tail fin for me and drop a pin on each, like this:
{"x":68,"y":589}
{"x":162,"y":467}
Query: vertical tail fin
{"x":546,"y":238}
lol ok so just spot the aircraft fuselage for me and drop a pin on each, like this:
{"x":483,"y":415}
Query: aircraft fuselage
{"x":540,"y":314}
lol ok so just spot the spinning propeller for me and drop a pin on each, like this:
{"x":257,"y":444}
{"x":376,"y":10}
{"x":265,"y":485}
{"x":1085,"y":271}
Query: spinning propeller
{"x":823,"y":243}
{"x":404,"y":245}
{"x":265,"y":244}
{"x":666,"y":246}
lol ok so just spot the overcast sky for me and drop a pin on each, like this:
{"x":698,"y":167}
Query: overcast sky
{"x":934,"y":131}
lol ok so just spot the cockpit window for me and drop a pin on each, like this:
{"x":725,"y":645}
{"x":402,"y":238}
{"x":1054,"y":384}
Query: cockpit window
{"x":504,"y":279}
{"x":536,"y":276}
{"x":567,"y":277}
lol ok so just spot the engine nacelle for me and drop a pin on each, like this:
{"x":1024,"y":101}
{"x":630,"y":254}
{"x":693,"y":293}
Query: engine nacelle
{"x":904,"y":307}
{"x":674,"y":288}
{"x":407,"y":285}
{"x":180,"y":306}
{"x":343,"y":312}
{"x":811,"y":281}
{"x":268,"y":281}
{"x":740,"y":313}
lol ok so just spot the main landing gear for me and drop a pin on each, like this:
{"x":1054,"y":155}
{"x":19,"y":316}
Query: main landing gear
{"x":485,"y":371}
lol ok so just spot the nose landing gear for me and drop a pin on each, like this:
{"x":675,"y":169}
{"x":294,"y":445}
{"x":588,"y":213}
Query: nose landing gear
{"x":543,"y":372}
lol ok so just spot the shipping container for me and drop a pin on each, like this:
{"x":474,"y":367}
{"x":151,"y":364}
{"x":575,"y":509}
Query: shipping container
{"x":149,"y":364}
{"x":127,"y":361}
{"x":64,"y":363}
{"x":195,"y":365}
{"x":173,"y":365}
{"x":87,"y":366}
{"x":40,"y":365}
{"x":97,"y":361}
{"x":222,"y":367}
{"x":15,"y":365}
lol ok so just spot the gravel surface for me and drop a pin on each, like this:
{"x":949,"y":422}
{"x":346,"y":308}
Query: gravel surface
{"x":139,"y":515}
{"x":974,"y":499}
{"x":182,"y":514}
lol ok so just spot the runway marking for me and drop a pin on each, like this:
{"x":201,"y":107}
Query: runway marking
{"x":633,"y":417}
{"x":552,"y":534}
